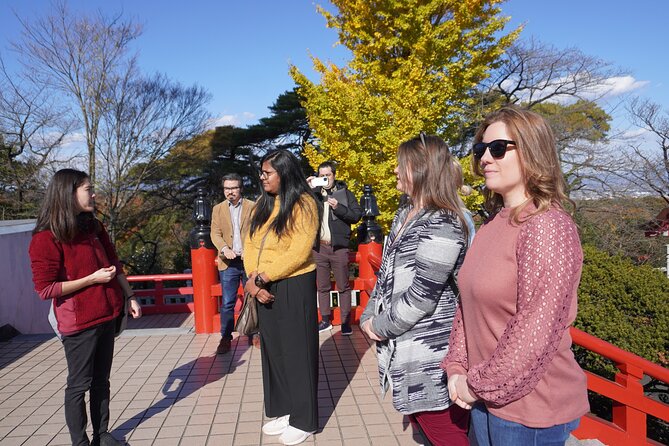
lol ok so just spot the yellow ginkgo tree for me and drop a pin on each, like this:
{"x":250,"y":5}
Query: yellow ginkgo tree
{"x":413,"y":68}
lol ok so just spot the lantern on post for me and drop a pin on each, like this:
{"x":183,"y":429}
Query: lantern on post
{"x":199,"y":236}
{"x":203,"y":257}
{"x":370,"y":247}
{"x":369,"y":230}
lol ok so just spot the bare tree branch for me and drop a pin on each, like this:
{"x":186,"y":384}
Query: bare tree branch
{"x":78,"y":56}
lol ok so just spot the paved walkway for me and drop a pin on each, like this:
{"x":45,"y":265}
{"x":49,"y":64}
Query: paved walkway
{"x":170,"y":388}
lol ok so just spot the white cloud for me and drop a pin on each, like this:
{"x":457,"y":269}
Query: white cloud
{"x":608,"y":88}
{"x":74,"y":139}
{"x":615,"y":86}
{"x":224,"y":120}
{"x":236,"y":120}
{"x":635,"y":133}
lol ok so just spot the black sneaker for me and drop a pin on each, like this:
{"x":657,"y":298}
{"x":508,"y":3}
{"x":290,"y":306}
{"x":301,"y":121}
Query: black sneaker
{"x":322,"y":326}
{"x":106,"y":439}
{"x":346,"y":330}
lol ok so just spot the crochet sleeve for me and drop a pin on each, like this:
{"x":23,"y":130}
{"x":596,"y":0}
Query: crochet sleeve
{"x":549,"y":261}
{"x":455,"y":362}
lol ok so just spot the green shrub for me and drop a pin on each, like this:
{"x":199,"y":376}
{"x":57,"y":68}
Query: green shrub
{"x":625,"y":305}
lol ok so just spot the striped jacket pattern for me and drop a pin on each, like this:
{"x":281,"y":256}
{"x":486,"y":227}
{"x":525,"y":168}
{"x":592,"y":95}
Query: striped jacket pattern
{"x":413,"y":305}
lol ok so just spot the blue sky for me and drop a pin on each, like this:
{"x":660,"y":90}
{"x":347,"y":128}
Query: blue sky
{"x":241,"y":50}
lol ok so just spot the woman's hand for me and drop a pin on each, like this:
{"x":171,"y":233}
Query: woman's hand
{"x":264,"y":296}
{"x":458,"y":391}
{"x":367,"y":329}
{"x":103,"y":275}
{"x":134,"y":309}
{"x":250,"y":286}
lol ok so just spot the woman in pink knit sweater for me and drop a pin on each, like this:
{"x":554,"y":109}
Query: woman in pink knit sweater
{"x":510,"y":357}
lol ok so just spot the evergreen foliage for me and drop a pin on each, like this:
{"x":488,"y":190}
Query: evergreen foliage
{"x":625,"y":305}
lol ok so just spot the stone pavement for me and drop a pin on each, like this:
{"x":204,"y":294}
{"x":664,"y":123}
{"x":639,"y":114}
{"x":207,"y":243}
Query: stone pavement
{"x":170,"y":388}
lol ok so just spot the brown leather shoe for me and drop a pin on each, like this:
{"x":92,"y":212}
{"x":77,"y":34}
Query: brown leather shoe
{"x":223,"y":346}
{"x":256,"y":340}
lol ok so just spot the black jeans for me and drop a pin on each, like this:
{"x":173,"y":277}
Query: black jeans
{"x":89,"y":359}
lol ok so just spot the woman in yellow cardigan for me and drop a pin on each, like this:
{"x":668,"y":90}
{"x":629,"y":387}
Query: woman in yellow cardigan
{"x":282,"y":277}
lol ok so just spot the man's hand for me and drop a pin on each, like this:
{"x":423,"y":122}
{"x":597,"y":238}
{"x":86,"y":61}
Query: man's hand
{"x":309,"y":181}
{"x":228,"y":253}
{"x":333,"y":202}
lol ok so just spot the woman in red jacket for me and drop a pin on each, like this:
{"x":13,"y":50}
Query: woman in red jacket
{"x":75,"y":265}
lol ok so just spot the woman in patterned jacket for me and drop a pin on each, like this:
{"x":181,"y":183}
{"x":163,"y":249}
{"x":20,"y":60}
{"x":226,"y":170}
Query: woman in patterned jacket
{"x":411,"y":309}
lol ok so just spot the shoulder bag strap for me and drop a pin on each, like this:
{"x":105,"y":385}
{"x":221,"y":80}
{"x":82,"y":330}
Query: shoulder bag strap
{"x":262,"y":244}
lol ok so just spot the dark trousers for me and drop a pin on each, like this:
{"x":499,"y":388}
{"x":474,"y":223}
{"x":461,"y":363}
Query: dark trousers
{"x":89,"y":357}
{"x":289,"y":351}
{"x":230,"y":278}
{"x":335,"y":260}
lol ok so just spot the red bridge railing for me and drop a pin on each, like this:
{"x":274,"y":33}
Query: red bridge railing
{"x":631,"y":407}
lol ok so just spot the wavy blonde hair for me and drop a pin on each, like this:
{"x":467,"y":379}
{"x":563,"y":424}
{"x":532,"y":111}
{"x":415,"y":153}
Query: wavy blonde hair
{"x":539,"y":162}
{"x":434,"y":178}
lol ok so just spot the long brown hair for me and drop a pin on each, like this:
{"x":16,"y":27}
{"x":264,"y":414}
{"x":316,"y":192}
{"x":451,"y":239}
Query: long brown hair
{"x":539,"y":161}
{"x":434,"y":180}
{"x":59,"y":212}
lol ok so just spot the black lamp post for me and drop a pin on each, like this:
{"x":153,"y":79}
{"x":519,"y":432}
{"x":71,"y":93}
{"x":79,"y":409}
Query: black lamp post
{"x":199,"y":235}
{"x":369,"y":230}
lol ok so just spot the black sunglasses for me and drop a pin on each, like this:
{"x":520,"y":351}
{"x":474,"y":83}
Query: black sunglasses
{"x":497,"y":147}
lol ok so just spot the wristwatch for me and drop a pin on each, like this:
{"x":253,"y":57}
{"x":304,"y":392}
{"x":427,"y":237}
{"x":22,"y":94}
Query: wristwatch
{"x":260,"y":283}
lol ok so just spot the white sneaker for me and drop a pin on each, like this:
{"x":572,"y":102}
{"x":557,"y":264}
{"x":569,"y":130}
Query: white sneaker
{"x":276,"y":426}
{"x":292,"y":435}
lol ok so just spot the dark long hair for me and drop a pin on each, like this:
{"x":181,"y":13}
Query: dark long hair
{"x":59,"y":212}
{"x":293,"y":189}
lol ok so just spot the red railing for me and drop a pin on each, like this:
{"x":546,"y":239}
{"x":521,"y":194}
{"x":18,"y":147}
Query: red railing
{"x":158,"y":293}
{"x":631,"y":406}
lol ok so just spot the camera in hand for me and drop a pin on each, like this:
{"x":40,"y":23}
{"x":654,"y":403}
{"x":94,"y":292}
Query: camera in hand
{"x":319,"y":181}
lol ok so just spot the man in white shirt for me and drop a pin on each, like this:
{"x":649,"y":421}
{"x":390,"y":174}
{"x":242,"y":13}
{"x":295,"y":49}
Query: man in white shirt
{"x":229,"y":224}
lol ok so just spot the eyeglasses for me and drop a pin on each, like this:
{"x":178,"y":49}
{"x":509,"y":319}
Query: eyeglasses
{"x":497,"y":147}
{"x":422,"y":139}
{"x":231,"y":188}
{"x":266,"y":173}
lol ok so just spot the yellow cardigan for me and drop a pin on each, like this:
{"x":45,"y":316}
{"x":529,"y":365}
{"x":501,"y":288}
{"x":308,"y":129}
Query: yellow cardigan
{"x":289,"y":256}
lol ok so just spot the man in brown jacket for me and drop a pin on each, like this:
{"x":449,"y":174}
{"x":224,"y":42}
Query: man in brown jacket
{"x":229,"y":224}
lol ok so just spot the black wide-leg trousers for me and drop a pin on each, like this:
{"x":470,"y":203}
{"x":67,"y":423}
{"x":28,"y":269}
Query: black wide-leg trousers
{"x":289,"y":351}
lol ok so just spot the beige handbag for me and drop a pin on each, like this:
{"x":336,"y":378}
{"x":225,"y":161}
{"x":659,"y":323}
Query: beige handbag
{"x":247,"y":321}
